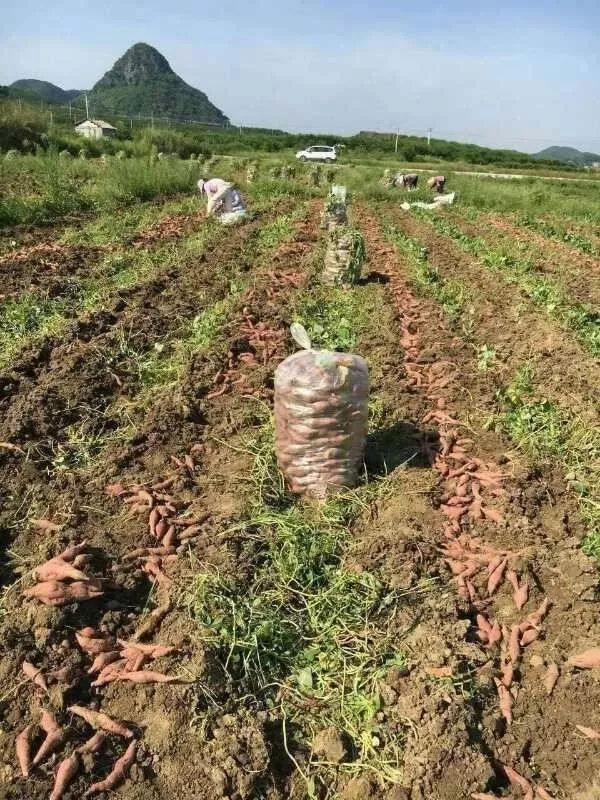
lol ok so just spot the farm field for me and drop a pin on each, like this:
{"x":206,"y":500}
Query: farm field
{"x":428,"y":635}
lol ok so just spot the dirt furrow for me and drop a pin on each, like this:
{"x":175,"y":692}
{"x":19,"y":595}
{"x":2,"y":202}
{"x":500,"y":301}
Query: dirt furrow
{"x":577,"y":272}
{"x":500,"y":318}
{"x":495,"y":508}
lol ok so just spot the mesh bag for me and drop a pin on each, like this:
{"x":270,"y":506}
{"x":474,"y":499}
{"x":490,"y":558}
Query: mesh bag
{"x":344,"y":256}
{"x":321,"y":410}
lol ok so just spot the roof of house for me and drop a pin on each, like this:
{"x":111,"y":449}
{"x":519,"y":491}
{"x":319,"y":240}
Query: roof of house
{"x":99,"y":122}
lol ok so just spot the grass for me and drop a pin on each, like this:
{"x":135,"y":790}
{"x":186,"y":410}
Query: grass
{"x":309,"y":636}
{"x":545,"y":430}
{"x":519,"y":271}
{"x":44,"y":188}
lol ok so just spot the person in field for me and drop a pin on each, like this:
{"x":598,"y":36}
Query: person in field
{"x":224,"y":200}
{"x":437,"y":183}
{"x":408,"y":181}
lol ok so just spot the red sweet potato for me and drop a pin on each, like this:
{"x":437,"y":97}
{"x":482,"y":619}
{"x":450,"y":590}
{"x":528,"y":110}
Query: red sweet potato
{"x":97,"y":719}
{"x":65,"y":773}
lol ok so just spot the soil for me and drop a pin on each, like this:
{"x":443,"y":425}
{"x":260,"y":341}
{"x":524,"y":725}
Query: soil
{"x":568,"y":267}
{"x":560,"y":363}
{"x":201,"y":738}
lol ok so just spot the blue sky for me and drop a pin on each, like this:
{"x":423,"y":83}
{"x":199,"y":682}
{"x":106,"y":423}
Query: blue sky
{"x":502,"y":74}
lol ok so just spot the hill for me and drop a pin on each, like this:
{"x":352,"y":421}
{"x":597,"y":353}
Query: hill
{"x":142,"y":82}
{"x":46,"y":91}
{"x":568,"y":154}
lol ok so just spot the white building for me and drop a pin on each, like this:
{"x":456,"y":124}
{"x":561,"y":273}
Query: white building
{"x":95,"y":129}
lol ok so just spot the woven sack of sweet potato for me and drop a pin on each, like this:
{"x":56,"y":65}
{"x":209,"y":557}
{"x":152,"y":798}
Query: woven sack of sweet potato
{"x":321,"y":409}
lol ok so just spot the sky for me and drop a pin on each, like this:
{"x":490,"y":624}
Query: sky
{"x":505,"y":74}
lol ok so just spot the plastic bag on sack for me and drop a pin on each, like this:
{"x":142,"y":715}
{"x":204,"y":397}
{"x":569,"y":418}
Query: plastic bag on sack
{"x":321,"y":413}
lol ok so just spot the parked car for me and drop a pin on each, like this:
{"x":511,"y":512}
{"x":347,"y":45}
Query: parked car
{"x":317,"y":153}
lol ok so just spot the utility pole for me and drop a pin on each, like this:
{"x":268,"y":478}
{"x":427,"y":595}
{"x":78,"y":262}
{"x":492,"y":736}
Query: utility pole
{"x":397,"y":135}
{"x":19,"y":102}
{"x":87,"y":108}
{"x":70,"y":112}
{"x":152,"y":120}
{"x":429,"y":136}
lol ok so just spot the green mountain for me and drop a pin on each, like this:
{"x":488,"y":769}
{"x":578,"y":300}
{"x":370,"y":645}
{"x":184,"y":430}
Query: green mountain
{"x":44,"y":90}
{"x":568,"y":154}
{"x":142,"y":82}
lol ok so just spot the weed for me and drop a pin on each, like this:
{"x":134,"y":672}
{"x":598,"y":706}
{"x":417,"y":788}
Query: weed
{"x":486,"y":358}
{"x":331,"y":315}
{"x":310,"y":636}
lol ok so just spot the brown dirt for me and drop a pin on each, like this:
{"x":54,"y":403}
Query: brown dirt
{"x":458,"y":747}
{"x":230,"y":752}
{"x":577,"y":272}
{"x":500,"y":317}
{"x":202,"y":740}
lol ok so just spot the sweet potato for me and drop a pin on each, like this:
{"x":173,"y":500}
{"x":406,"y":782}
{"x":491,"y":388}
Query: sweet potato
{"x":93,"y":744}
{"x":483,"y":796}
{"x":516,"y":781}
{"x":521,"y":595}
{"x":496,"y":577}
{"x":148,"y":676}
{"x":495,"y":634}
{"x":538,"y":615}
{"x":99,"y":720}
{"x":551,"y":677}
{"x":514,"y":647}
{"x":153,"y":621}
{"x":102,"y":660}
{"x":48,"y":722}
{"x":589,"y":733}
{"x":56,"y":569}
{"x":115,"y":489}
{"x":71,"y":552}
{"x":507,"y":673}
{"x":52,"y":742}
{"x":506,"y":700}
{"x":589,"y":659}
{"x":65,"y":773}
{"x":45,"y":525}
{"x":542,"y":794}
{"x":92,"y":645}
{"x":118,"y":773}
{"x":151,"y":650}
{"x":492,"y":514}
{"x":530,"y":636}
{"x":23,"y":749}
{"x":34,"y":674}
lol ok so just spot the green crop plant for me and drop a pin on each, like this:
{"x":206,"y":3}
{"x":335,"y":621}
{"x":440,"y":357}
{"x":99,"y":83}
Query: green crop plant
{"x":553,"y":230}
{"x":522,"y":273}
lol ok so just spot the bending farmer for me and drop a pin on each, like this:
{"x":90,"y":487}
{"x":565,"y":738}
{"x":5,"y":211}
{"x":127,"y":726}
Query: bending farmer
{"x":224,"y":200}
